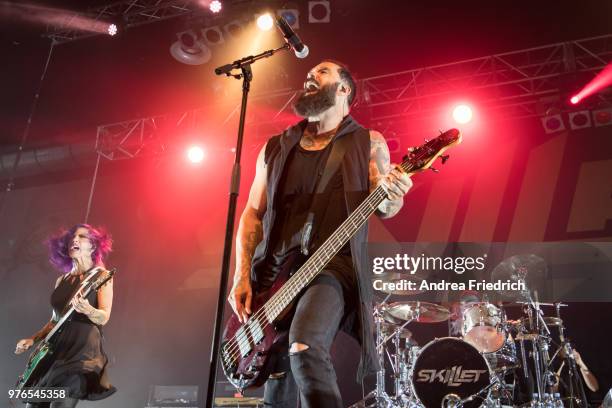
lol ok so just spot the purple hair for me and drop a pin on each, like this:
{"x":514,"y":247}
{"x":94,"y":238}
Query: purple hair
{"x":59,"y":246}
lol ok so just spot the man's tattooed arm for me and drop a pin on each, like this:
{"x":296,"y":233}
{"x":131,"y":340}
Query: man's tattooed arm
{"x":380,"y":166}
{"x":250,"y":228}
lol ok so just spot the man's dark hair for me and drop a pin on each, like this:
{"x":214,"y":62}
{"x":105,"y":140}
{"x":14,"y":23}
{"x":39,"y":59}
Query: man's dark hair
{"x":346,"y":76}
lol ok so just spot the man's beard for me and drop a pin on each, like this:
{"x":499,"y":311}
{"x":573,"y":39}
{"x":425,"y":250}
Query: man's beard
{"x":314,"y":104}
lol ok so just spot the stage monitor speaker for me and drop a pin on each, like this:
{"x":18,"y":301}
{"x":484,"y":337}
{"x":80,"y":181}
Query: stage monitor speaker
{"x":173,"y":396}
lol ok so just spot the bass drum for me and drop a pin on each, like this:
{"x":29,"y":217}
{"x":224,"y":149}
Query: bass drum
{"x":448,"y":370}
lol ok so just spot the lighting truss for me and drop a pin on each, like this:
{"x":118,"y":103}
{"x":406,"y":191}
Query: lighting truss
{"x":511,"y":84}
{"x":132,"y":13}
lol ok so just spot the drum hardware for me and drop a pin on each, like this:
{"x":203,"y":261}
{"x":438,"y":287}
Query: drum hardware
{"x":422,"y":312}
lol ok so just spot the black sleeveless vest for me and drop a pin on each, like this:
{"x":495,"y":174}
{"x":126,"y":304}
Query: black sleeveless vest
{"x":355,"y":171}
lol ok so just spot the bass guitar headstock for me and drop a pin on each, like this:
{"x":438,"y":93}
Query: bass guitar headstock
{"x":422,"y":157}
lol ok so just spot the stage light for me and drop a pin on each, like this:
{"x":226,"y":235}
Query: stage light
{"x":190,"y":49}
{"x":580,"y":119}
{"x":265,"y":22}
{"x":291,"y":16}
{"x":215,"y":6}
{"x":233,"y":29}
{"x":553,"y":123}
{"x":574,"y":100}
{"x":319,"y":11}
{"x":195,"y":154}
{"x":112,"y":29}
{"x":603,"y":117}
{"x":462,"y":114}
{"x":213,"y":35}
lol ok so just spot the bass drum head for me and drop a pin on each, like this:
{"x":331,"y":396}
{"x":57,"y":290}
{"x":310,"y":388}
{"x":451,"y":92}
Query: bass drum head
{"x":450,"y":369}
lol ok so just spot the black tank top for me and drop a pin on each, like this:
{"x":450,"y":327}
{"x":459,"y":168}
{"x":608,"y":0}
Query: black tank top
{"x":302,"y":172}
{"x":65,"y":291}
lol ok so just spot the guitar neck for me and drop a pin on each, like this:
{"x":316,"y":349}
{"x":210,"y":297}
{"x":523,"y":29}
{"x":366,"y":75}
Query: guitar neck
{"x":315,"y":264}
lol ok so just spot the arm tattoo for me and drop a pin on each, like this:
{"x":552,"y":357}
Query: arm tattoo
{"x":380,"y":165}
{"x":98,"y":316}
{"x":247,"y":248}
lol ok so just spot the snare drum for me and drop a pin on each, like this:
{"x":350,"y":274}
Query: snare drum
{"x":482,"y":327}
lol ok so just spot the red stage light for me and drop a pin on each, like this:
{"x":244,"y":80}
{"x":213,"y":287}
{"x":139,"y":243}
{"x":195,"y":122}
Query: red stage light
{"x":601,"y":81}
{"x":574,"y":100}
{"x":112,"y":30}
{"x":195,"y":154}
{"x":603,"y":117}
{"x":462,"y":114}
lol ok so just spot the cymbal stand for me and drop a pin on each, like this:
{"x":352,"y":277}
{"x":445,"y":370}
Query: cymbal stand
{"x":575,"y":383}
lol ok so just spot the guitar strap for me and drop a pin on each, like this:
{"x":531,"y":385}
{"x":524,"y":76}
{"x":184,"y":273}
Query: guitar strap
{"x":331,"y":166}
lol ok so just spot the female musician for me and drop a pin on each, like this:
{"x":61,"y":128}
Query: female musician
{"x":79,"y":361}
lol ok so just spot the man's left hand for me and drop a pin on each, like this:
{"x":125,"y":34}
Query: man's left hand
{"x":397,"y":183}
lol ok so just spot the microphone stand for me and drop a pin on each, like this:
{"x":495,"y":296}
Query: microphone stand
{"x":244,"y":65}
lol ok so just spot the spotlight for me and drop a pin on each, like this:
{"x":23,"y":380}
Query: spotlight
{"x":580,"y":119}
{"x":462,"y":114}
{"x":265,"y":22}
{"x":291,"y":16}
{"x":215,"y":6}
{"x":233,"y":29}
{"x":189,"y":49}
{"x":553,"y":123}
{"x":319,"y":11}
{"x":575,"y":99}
{"x":213,"y":35}
{"x":603,"y":117}
{"x":112,"y":29}
{"x":195,"y":154}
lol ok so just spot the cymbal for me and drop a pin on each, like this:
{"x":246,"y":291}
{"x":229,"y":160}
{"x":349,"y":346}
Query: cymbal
{"x":389,"y":328}
{"x":422,"y":312}
{"x":395,"y":283}
{"x":529,"y":268}
{"x":553,"y":321}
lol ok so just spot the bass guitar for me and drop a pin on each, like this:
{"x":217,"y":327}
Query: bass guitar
{"x":246,"y":349}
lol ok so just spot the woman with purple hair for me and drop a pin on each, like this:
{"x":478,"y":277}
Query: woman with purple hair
{"x":79,"y":360}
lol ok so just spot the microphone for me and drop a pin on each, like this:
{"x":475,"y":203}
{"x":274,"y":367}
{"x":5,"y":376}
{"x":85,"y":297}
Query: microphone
{"x":300,"y":49}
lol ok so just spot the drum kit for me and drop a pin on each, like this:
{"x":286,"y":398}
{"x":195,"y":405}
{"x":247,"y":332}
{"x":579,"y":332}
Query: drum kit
{"x":494,"y":363}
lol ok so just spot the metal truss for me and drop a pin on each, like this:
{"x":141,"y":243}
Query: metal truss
{"x":131,"y":13}
{"x":510,"y":85}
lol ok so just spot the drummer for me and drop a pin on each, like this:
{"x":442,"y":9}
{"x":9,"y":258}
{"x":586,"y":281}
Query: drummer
{"x":466,"y":299}
{"x":587,"y":375}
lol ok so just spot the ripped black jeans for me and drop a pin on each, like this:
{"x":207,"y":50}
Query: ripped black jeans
{"x":308,"y":375}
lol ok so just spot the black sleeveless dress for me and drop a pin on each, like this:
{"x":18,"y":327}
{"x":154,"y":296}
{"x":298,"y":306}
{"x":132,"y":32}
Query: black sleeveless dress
{"x":79,"y":360}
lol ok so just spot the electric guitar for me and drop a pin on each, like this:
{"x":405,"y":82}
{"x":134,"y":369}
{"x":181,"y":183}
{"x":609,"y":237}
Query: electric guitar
{"x":246,"y":349}
{"x":41,"y":357}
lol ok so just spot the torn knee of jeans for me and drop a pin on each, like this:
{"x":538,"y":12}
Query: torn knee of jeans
{"x":297,"y":347}
{"x":276,"y":376}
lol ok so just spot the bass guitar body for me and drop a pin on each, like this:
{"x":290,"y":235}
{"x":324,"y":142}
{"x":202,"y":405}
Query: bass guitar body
{"x":249,"y":350}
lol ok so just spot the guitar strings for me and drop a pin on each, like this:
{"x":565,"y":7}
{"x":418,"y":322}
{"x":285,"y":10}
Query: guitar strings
{"x":241,"y":339}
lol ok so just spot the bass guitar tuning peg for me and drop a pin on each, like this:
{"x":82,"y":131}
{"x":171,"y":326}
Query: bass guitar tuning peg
{"x":444,"y":158}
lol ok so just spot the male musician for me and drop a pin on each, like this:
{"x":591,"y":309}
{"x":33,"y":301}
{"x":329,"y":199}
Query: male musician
{"x":271,"y":234}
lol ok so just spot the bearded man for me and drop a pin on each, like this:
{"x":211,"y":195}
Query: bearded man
{"x":272,"y":235}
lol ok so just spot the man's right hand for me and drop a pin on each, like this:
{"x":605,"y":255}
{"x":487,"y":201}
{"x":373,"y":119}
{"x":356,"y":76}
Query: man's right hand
{"x":23,"y":345}
{"x":240,"y":298}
